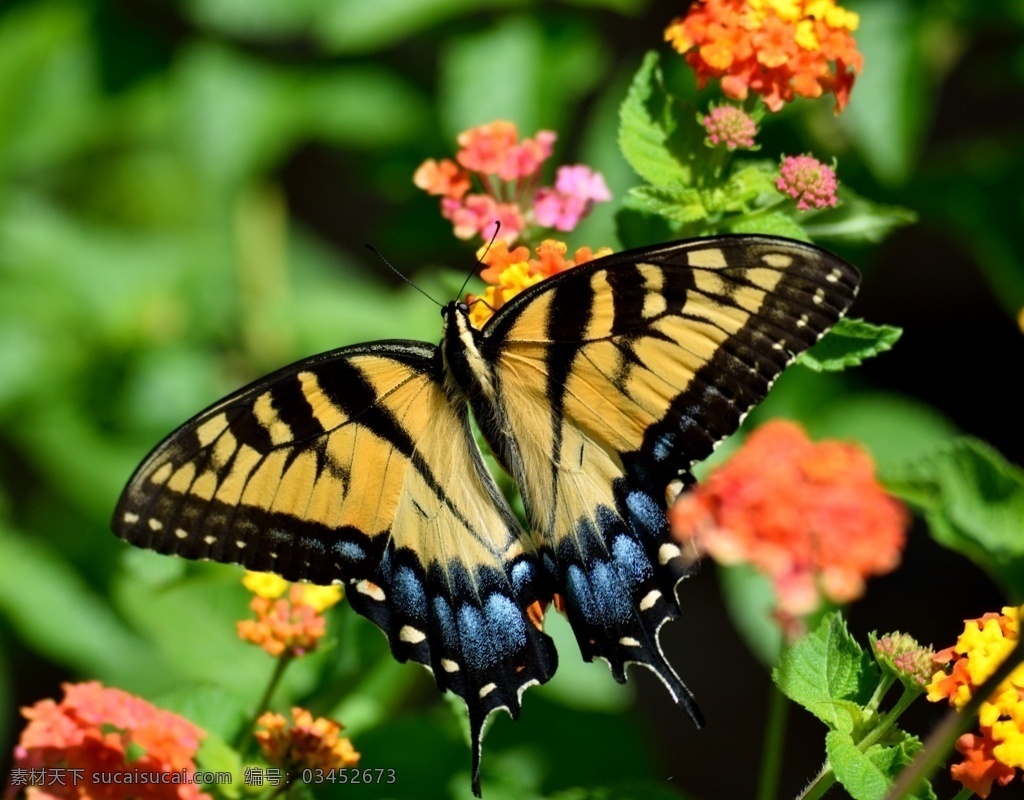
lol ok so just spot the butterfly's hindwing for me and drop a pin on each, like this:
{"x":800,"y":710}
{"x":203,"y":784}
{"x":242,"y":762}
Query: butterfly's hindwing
{"x":613,"y":379}
{"x":358,"y":467}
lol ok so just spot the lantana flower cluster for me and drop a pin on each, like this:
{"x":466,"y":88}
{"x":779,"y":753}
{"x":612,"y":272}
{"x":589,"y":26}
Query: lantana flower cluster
{"x":774,"y":48}
{"x":286,"y":626}
{"x":996,"y":752}
{"x":811,"y":517}
{"x":903,"y":655}
{"x":509,"y":272}
{"x":306,"y":743}
{"x":494,"y":181}
{"x":95,"y":730}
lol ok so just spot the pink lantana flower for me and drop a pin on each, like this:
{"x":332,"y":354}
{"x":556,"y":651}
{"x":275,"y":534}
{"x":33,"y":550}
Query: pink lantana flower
{"x":507,"y":172}
{"x":730,"y":127}
{"x":808,"y":181}
{"x":576,"y":190}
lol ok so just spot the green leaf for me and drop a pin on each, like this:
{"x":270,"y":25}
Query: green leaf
{"x":650,"y":124}
{"x":578,"y":683}
{"x":216,"y":755}
{"x":870,"y":774}
{"x":848,"y":344}
{"x":890,"y":108}
{"x":58,"y":615}
{"x":678,"y":204}
{"x":555,"y":68}
{"x":973,"y":500}
{"x":895,"y":428}
{"x":776,"y":223}
{"x":636,"y":225}
{"x":355,"y":26}
{"x":829,"y":674}
{"x":856,"y":220}
{"x":746,"y":184}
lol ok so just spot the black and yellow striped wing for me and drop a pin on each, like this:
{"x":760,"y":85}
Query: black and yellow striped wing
{"x":358,"y":467}
{"x":612,"y":380}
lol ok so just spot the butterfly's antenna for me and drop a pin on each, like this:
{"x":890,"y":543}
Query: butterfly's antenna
{"x":497,"y":227}
{"x":373,"y":250}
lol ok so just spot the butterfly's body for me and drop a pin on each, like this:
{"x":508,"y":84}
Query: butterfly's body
{"x":596,"y":390}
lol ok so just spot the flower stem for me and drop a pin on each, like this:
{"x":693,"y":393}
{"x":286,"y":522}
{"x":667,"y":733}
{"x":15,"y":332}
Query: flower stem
{"x":822,"y":783}
{"x":245,"y":738}
{"x":964,"y":794}
{"x":774,"y":738}
{"x":942,"y":739}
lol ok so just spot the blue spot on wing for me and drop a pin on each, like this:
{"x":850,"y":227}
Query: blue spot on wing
{"x":663,"y":446}
{"x":505,"y":621}
{"x":522,"y":575}
{"x":476,"y":644}
{"x":631,"y":562}
{"x":409,"y":596}
{"x":350,"y":551}
{"x":446,"y":622}
{"x":645,"y":512}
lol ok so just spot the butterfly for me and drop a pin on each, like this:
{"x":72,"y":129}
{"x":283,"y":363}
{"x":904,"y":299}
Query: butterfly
{"x":597,"y":390}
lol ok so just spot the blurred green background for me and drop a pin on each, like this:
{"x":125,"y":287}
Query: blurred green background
{"x":185,"y":192}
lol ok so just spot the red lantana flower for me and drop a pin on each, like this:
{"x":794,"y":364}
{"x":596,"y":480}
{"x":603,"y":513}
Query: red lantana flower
{"x":97,"y":730}
{"x":810,"y":516}
{"x":774,"y":48}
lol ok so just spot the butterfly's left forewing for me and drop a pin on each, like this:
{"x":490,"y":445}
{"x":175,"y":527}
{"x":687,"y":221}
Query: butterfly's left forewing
{"x":358,"y":467}
{"x":612,"y":379}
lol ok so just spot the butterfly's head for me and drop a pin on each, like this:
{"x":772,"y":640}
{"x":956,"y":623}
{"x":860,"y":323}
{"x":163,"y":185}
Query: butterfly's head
{"x":459,"y":305}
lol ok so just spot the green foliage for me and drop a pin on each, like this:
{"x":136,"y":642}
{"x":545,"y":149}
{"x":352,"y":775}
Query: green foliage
{"x":973,"y":500}
{"x":654,"y":130}
{"x":847,"y":345}
{"x":868,"y":774}
{"x":698,"y":191}
{"x":829,"y":674}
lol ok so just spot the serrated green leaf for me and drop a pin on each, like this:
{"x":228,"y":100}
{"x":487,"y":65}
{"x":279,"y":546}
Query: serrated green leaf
{"x":848,"y":344}
{"x":746,"y":184}
{"x":973,"y":500}
{"x":773,"y":224}
{"x":649,"y":120}
{"x":869,"y":774}
{"x":829,"y":674}
{"x":679,"y":204}
{"x":857,"y":220}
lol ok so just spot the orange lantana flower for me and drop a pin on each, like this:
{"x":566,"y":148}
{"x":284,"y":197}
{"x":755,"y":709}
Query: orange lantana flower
{"x":512,"y":271}
{"x":291,"y":625}
{"x":307,"y":743}
{"x":997,"y":751}
{"x":96,"y":731}
{"x":773,"y":48}
{"x":810,"y":516}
